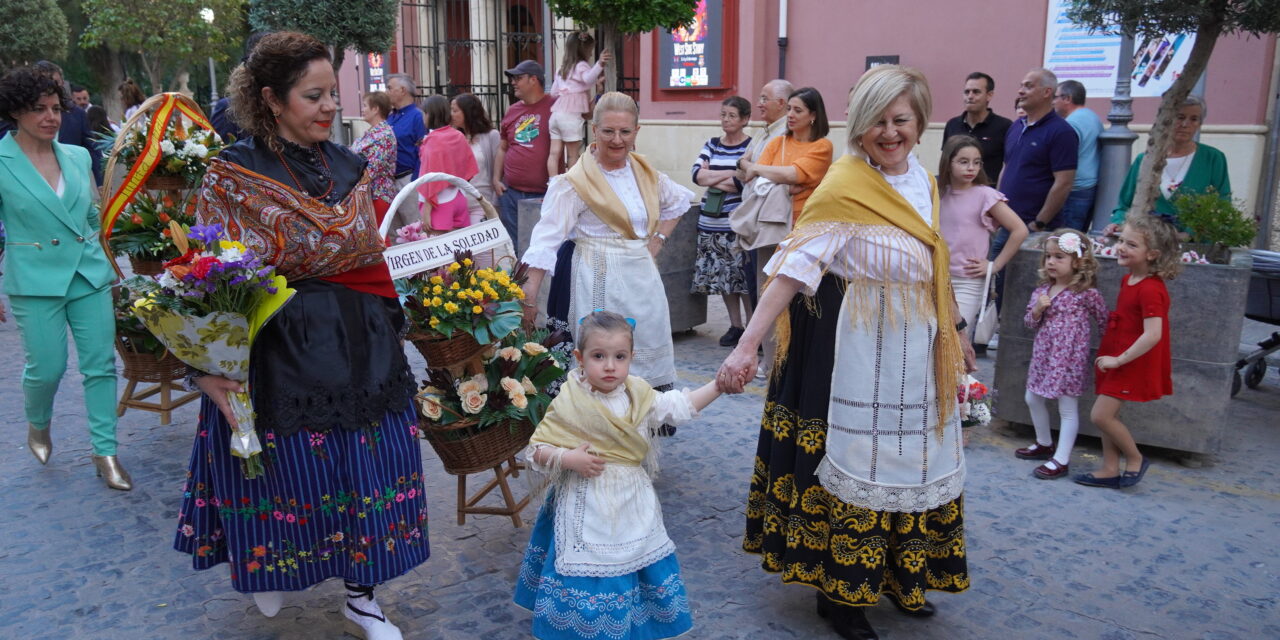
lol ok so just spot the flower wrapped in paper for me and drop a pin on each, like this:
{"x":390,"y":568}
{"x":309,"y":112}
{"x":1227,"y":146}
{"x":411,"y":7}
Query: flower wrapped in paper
{"x":207,"y":308}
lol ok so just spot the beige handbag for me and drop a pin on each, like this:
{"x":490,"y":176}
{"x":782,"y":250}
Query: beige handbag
{"x":764,"y":217}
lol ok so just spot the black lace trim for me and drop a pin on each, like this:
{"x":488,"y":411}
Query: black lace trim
{"x":287,"y":410}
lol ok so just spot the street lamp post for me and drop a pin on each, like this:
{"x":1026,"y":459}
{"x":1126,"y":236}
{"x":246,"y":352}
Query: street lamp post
{"x":1115,"y":144}
{"x":207,"y":14}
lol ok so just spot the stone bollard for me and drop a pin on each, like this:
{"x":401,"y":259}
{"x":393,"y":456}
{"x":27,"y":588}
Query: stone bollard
{"x":675,"y":265}
{"x":1206,"y":316}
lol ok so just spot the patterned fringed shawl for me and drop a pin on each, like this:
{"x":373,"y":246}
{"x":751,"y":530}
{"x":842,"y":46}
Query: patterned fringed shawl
{"x":855,"y":201}
{"x":301,"y":236}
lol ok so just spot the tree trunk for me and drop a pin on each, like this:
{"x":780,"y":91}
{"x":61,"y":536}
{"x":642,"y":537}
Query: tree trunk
{"x":151,"y":62}
{"x":1161,"y":137}
{"x":610,"y":41}
{"x":104,"y":64}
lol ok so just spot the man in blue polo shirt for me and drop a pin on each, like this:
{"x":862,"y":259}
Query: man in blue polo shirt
{"x":410,"y":127}
{"x":1039,"y":162}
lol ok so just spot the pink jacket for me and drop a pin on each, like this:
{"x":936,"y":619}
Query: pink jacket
{"x":573,"y":93}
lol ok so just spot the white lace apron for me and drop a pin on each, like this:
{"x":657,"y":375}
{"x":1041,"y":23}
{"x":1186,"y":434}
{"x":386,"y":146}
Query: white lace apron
{"x":619,"y":275}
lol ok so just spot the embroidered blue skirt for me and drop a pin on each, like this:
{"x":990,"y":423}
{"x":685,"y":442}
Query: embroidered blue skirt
{"x":646,"y":605}
{"x":335,"y":504}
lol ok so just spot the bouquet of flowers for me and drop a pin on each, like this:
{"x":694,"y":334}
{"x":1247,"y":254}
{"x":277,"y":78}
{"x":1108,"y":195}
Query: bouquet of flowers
{"x":513,"y":386}
{"x":144,"y":231}
{"x":185,"y":149}
{"x":207,"y":308}
{"x":484,"y":303}
{"x":975,"y":403}
{"x":130,"y":328}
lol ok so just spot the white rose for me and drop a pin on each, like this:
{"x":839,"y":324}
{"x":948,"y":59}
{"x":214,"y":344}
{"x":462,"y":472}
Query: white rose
{"x":509,"y":353}
{"x":473,"y":402}
{"x":533,"y":348}
{"x":528,"y":385}
{"x":511,"y":386}
{"x":520,"y":401}
{"x":431,"y":407}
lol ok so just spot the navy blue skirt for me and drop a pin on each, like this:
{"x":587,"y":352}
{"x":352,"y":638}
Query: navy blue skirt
{"x":338,"y":504}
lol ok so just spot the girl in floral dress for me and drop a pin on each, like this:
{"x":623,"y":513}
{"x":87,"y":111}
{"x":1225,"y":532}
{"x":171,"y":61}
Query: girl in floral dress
{"x":1061,"y":310}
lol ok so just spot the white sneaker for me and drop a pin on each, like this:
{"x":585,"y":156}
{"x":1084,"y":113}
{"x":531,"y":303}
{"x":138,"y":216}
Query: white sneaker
{"x":364,"y":616}
{"x":269,"y":602}
{"x":994,"y":343}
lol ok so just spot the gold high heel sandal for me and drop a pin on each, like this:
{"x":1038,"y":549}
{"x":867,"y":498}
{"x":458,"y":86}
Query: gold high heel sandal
{"x":39,"y":443}
{"x":109,"y":468}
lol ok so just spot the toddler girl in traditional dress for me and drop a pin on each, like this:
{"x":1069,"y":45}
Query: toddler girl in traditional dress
{"x":599,"y":563}
{"x":1134,"y":363}
{"x":1061,"y":310}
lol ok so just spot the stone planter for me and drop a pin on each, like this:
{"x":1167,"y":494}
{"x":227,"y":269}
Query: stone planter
{"x":675,"y":265}
{"x":1205,"y":321}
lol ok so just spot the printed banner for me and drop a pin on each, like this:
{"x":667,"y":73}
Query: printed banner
{"x":424,"y":255}
{"x":1073,"y":53}
{"x":692,"y":56}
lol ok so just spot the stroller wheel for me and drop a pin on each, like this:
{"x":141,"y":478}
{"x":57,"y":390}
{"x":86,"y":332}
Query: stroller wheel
{"x":1258,"y":370}
{"x":1235,"y":383}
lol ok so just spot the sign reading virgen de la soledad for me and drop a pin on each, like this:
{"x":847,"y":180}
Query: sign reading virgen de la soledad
{"x":1072,"y":53}
{"x":423,"y":255}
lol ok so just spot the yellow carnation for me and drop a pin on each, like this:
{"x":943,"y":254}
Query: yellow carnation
{"x":454,"y":267}
{"x":477,"y":309}
{"x":435,"y":322}
{"x":467,"y":262}
{"x":451,"y":307}
{"x":436,"y":301}
{"x":437,"y":289}
{"x":437,"y":280}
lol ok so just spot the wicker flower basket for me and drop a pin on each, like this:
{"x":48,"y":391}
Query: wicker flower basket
{"x":166,"y":183}
{"x":146,"y":267}
{"x":464,"y":447}
{"x":442,"y":352}
{"x":145,"y":367}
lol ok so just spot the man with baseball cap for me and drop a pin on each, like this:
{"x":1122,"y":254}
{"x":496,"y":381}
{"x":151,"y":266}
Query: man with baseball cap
{"x":520,"y":170}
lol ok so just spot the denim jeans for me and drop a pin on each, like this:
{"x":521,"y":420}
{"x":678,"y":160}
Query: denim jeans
{"x":509,"y":212}
{"x":1077,"y":210}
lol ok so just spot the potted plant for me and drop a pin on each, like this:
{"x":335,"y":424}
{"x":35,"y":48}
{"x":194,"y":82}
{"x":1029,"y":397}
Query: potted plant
{"x":476,"y":421}
{"x":1215,"y":224}
{"x":144,"y":231}
{"x":459,"y":309}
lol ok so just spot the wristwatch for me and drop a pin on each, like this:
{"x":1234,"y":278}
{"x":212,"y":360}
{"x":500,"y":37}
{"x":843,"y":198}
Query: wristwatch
{"x":1037,"y":225}
{"x":660,"y":236}
{"x":960,"y":326}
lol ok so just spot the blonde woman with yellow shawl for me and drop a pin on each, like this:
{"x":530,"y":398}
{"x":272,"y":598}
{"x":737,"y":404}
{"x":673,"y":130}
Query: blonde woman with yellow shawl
{"x":859,"y":467}
{"x":618,"y":210}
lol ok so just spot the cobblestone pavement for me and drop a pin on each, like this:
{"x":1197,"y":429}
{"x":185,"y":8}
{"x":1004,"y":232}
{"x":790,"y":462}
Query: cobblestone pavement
{"x":1190,"y":553}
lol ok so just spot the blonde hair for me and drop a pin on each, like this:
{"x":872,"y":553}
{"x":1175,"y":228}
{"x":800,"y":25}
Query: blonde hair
{"x":1085,"y":266}
{"x":876,"y":90}
{"x":615,"y":101}
{"x":601,"y":321}
{"x":1162,"y":238}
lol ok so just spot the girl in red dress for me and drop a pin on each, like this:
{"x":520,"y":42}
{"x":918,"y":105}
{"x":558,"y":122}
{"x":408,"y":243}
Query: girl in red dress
{"x":1133,"y":363}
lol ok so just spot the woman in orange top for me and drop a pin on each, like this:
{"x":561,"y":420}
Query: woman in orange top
{"x":800,"y":158}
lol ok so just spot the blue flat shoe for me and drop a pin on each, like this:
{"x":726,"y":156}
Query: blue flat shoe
{"x":1130,"y":478}
{"x":1088,"y":480}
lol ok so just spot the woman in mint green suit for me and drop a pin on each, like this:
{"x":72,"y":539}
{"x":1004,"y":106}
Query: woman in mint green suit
{"x":56,"y":272}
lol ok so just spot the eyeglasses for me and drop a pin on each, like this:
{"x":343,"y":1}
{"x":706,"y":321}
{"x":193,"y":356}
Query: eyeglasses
{"x":1061,"y":96}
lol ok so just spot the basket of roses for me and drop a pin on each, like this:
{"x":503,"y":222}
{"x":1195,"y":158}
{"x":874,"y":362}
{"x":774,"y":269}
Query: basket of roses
{"x":477,"y":421}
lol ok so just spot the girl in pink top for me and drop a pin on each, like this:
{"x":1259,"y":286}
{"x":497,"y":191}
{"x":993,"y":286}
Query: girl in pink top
{"x":572,"y":92}
{"x":444,"y":150}
{"x":970,"y":212}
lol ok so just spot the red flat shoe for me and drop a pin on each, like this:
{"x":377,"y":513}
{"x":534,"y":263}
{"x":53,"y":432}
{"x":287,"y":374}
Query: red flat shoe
{"x":1036,"y":451}
{"x":1045,"y":473}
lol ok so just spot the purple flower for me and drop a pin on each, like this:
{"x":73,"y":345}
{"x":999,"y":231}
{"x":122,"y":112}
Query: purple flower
{"x":207,"y":234}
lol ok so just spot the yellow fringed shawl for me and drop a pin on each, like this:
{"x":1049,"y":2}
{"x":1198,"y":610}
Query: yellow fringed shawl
{"x":855,"y":199}
{"x":575,"y":417}
{"x":589,"y":182}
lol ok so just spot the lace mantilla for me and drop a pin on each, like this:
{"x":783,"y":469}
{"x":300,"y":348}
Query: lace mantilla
{"x":285,"y":410}
{"x":885,"y":498}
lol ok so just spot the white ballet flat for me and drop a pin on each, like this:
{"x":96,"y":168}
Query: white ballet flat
{"x":269,"y":602}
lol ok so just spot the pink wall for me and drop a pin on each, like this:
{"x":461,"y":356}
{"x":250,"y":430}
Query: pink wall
{"x":830,"y":40}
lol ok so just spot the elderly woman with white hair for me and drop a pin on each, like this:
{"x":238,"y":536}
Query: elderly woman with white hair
{"x":618,"y":209}
{"x":859,"y":467}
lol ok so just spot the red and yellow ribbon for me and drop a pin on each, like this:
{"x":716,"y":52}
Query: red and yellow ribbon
{"x":150,"y":157}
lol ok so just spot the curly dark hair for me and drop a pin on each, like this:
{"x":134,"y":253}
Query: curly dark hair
{"x":278,"y":61}
{"x":22,"y":88}
{"x":475,"y":121}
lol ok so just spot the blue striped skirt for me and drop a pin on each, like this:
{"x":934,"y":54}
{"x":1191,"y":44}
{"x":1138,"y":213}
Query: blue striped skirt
{"x":648,"y":604}
{"x":337,"y":504}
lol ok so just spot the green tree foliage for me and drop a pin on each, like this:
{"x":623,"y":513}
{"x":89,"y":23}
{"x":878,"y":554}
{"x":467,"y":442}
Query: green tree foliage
{"x":367,"y":26}
{"x":31,"y":30}
{"x":167,"y":34}
{"x":614,"y":17}
{"x":1208,"y":20}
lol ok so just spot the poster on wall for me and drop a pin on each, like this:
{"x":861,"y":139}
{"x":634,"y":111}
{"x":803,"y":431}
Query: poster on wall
{"x":375,"y":72}
{"x":1073,"y":53}
{"x":692,"y":57}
